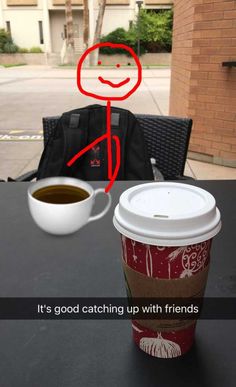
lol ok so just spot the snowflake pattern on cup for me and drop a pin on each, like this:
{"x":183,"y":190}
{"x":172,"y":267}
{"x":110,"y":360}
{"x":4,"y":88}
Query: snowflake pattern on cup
{"x":166,"y":262}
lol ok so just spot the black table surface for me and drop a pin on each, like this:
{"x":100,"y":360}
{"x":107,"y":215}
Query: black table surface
{"x":72,"y":353}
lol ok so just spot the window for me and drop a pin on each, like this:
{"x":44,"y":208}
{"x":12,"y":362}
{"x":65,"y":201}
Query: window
{"x":65,"y":31}
{"x":41,"y":32}
{"x":8,"y":26}
{"x":21,"y":2}
{"x":117,"y":2}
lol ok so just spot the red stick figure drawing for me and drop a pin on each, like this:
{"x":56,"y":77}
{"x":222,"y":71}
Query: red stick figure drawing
{"x":126,"y":87}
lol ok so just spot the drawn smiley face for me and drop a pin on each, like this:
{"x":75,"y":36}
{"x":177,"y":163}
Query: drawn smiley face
{"x":109,"y":89}
{"x":113,"y":84}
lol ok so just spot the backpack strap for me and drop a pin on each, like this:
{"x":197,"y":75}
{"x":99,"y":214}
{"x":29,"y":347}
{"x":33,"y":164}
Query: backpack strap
{"x":115,"y":119}
{"x":74,"y":121}
{"x":98,"y":125}
{"x":119,"y":126}
{"x":75,"y":133}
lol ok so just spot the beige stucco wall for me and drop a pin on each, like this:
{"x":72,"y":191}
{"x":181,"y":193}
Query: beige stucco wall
{"x":158,"y":2}
{"x":115,"y":18}
{"x":38,"y":6}
{"x":24,"y":23}
{"x":24,"y":26}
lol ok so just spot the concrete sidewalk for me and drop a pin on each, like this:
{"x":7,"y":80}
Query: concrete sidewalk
{"x":29,"y":93}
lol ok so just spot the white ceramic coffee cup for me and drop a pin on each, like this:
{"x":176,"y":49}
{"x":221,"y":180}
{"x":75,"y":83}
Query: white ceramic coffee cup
{"x":62,"y":219}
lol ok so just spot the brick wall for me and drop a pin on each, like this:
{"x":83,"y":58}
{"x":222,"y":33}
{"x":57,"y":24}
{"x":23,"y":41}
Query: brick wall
{"x":204,"y":36}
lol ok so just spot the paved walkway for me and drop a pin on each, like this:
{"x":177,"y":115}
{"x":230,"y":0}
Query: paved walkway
{"x":29,"y":93}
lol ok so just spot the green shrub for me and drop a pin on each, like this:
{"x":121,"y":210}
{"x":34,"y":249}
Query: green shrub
{"x":120,"y":35}
{"x":23,"y":50}
{"x":10,"y":48}
{"x":154,"y":29}
{"x":14,"y":65}
{"x":4,"y":38}
{"x":6,"y":43}
{"x":35,"y":50}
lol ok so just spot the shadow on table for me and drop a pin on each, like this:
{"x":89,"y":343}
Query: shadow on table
{"x":192,"y":369}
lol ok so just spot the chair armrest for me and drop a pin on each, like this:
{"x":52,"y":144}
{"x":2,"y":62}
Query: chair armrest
{"x":183,"y":178}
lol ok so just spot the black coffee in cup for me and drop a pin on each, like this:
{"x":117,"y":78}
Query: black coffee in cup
{"x":61,"y":194}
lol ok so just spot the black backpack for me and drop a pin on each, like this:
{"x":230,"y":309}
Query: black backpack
{"x":80,"y":127}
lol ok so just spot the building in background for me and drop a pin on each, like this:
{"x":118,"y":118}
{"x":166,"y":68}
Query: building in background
{"x":41,"y":23}
{"x":203,"y":76}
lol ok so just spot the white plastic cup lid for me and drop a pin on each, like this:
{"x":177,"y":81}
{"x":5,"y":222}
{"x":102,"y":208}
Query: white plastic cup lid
{"x":167,"y":214}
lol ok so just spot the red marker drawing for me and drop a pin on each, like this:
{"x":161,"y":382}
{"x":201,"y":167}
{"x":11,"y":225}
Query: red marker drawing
{"x":133,"y":83}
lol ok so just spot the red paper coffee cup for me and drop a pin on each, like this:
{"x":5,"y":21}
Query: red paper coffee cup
{"x":166,"y":231}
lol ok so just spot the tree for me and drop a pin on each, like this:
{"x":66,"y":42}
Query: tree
{"x":98,"y":31}
{"x":70,"y":45}
{"x":86,"y":24}
{"x":156,"y":30}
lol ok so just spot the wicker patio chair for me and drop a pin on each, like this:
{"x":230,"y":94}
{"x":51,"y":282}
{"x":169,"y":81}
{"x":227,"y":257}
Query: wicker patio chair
{"x":167,"y":140}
